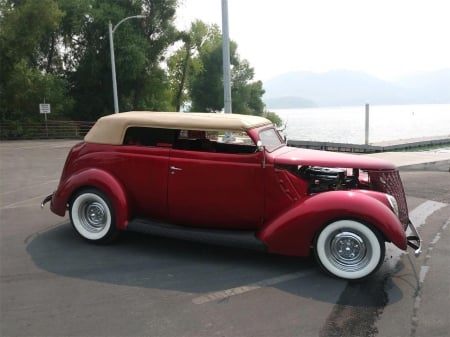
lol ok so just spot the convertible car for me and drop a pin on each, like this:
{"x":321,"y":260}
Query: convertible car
{"x":230,"y":179}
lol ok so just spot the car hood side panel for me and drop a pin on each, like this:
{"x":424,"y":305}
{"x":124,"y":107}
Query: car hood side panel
{"x":295,"y":156}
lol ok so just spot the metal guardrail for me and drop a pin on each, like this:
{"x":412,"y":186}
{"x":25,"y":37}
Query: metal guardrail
{"x":405,"y":144}
{"x":41,"y":130}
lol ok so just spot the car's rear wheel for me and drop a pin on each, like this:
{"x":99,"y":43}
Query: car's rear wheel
{"x":349,"y":249}
{"x":92,"y":216}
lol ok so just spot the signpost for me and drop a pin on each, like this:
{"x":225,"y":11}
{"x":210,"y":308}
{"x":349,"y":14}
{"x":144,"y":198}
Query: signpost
{"x":44,"y":108}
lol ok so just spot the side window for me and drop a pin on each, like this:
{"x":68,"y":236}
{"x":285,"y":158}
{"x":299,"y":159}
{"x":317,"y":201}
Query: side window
{"x":214,"y":141}
{"x":142,"y":136}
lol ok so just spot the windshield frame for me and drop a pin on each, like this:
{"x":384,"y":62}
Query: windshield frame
{"x":274,"y":132}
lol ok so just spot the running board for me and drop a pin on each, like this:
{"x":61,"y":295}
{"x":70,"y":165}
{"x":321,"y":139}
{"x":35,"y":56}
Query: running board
{"x":230,"y":238}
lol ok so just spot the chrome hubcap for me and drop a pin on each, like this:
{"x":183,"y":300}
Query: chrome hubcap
{"x":348,"y":251}
{"x":93,"y":216}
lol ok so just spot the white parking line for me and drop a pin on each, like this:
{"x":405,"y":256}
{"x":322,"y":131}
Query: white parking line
{"x":423,"y":274}
{"x":31,"y":187}
{"x":219,"y":295}
{"x":25,"y":203}
{"x":418,"y":217}
{"x":420,"y":214}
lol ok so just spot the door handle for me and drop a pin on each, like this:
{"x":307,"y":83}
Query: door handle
{"x":174,"y":168}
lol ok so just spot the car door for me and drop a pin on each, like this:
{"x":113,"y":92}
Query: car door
{"x":216,"y":190}
{"x":143,"y":167}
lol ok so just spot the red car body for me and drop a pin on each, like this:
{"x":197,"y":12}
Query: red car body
{"x":283,"y":196}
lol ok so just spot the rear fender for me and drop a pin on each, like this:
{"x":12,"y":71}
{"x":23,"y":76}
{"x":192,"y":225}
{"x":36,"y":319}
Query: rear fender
{"x":293,"y":232}
{"x":99,"y":179}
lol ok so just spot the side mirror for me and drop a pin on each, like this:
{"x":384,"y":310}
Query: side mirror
{"x":262,"y":148}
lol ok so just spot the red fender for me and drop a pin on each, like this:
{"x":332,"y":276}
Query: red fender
{"x":292,"y":233}
{"x":96,"y":178}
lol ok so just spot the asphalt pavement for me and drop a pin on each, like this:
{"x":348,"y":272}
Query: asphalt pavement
{"x":54,"y":284}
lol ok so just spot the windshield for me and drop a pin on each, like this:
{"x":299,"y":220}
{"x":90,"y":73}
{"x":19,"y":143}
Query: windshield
{"x":271,"y":139}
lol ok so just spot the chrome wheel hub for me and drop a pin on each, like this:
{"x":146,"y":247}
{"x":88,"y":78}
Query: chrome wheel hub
{"x":93,"y":216}
{"x":348,"y":250}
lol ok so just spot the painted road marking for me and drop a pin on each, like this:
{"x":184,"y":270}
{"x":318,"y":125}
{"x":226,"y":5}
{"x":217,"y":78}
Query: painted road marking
{"x":420,"y":214}
{"x":35,"y":201}
{"x":422,"y":275}
{"x":30,"y":187}
{"x":220,"y":295}
{"x":418,"y":217}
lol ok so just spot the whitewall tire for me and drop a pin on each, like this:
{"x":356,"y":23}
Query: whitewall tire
{"x":349,"y":249}
{"x":92,"y":216}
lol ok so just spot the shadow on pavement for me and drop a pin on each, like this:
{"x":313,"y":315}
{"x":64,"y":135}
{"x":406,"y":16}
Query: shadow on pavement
{"x":139,"y":260}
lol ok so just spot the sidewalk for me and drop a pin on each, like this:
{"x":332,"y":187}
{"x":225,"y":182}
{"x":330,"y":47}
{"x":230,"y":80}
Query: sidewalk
{"x":431,"y":161}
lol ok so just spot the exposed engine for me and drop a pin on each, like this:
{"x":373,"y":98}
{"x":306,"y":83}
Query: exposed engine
{"x":322,"y":179}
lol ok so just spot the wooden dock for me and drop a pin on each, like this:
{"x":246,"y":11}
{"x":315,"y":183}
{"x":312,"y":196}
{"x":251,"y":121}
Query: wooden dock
{"x":398,"y":145}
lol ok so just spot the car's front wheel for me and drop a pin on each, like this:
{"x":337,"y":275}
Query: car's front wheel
{"x":349,"y":249}
{"x":92,"y":216}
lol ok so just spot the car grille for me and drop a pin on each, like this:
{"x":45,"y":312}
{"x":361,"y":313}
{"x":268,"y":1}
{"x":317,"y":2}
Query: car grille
{"x":390,"y":182}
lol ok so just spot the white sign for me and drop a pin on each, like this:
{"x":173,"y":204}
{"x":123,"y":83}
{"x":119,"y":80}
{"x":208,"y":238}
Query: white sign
{"x":44,"y":108}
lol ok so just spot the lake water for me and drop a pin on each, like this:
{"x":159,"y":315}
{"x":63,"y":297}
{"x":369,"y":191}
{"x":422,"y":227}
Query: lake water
{"x":347,"y":124}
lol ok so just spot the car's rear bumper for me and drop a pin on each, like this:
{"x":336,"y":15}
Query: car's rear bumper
{"x":46,"y":200}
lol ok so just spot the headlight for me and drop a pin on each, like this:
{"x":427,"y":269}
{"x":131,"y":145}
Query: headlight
{"x":393,"y":203}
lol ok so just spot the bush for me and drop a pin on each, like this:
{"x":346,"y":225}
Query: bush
{"x":274,"y":118}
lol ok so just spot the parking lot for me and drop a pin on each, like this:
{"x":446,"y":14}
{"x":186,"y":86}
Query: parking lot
{"x":52,"y":283}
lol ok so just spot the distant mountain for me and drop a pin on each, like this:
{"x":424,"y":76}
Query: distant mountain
{"x":346,"y":88}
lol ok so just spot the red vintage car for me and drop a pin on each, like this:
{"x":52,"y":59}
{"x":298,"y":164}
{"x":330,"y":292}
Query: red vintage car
{"x":231,"y":179}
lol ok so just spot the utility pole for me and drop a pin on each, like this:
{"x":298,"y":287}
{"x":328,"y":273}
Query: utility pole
{"x":226,"y":58}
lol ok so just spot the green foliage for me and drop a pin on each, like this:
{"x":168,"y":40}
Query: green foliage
{"x":182,"y":64}
{"x":206,"y":84}
{"x":200,"y":61}
{"x":246,"y":95}
{"x":139,"y":46}
{"x":26,"y":59}
{"x":26,"y":35}
{"x":59,"y":50}
{"x":274,"y":118}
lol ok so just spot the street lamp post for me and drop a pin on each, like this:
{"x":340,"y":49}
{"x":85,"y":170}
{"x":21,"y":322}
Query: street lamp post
{"x":228,"y":137}
{"x":113,"y":62}
{"x":226,"y":58}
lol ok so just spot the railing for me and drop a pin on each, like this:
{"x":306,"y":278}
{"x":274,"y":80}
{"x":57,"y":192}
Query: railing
{"x":399,"y":145}
{"x":41,"y":130}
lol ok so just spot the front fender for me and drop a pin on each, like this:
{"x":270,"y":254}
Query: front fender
{"x":96,"y":178}
{"x":293,"y":232}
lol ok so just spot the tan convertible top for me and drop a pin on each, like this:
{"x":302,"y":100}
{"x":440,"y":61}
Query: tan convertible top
{"x":111,"y":129}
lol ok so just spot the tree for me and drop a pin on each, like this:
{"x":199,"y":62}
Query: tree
{"x":59,"y":49}
{"x":181,"y":64}
{"x":28,"y":61}
{"x":274,"y":118}
{"x":196,"y":74}
{"x":139,"y":49}
{"x":206,"y":84}
{"x":246,"y":95}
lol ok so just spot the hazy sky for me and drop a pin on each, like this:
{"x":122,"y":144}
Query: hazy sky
{"x":385,"y":38}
